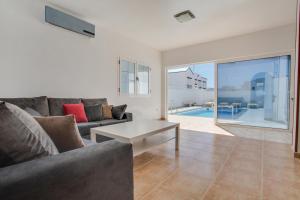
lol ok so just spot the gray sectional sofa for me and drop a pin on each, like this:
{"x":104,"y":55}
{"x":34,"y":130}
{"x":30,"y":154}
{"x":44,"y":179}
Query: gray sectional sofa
{"x":96,"y":172}
{"x":54,"y":107}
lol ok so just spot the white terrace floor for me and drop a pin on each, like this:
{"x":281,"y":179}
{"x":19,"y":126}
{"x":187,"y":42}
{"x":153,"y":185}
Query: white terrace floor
{"x":207,"y":125}
{"x":256,"y":117}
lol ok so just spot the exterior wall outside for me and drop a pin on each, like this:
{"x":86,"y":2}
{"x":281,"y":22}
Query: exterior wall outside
{"x":186,"y":87}
{"x":180,"y":97}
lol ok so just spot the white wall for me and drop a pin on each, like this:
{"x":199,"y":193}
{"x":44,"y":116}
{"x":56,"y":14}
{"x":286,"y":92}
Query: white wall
{"x":267,"y":42}
{"x":275,"y":40}
{"x":37,"y":58}
{"x":180,"y":97}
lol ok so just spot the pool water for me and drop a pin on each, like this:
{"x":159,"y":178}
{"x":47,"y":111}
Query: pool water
{"x":202,"y":112}
{"x":209,"y":113}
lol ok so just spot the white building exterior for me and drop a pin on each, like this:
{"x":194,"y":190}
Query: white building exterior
{"x":187,"y":87}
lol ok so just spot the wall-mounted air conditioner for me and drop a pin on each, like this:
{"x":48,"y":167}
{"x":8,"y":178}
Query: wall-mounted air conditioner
{"x":69,"y":22}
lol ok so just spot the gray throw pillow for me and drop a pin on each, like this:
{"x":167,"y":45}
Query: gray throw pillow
{"x":119,"y":111}
{"x":92,"y":102}
{"x":21,"y":137}
{"x":32,"y":112}
{"x":93,"y":113}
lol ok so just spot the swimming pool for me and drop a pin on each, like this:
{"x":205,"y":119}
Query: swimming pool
{"x":209,"y":113}
{"x":201,"y":112}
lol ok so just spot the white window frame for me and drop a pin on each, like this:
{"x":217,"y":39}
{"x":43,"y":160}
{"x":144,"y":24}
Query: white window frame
{"x":136,"y":65}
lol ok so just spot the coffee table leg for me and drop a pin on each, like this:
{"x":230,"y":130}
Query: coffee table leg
{"x":177,"y":131}
{"x":93,"y":137}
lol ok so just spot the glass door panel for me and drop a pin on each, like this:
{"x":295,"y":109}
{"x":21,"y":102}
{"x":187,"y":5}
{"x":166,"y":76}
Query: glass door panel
{"x":254,"y":92}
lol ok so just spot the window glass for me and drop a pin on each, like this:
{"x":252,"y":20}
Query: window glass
{"x":127,"y":77}
{"x":143,"y":73}
{"x":255,"y":92}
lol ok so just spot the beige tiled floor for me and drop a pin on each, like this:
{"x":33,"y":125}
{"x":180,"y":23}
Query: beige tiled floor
{"x":215,"y":166}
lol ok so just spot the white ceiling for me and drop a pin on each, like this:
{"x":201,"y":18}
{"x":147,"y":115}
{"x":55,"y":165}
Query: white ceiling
{"x":151,"y":21}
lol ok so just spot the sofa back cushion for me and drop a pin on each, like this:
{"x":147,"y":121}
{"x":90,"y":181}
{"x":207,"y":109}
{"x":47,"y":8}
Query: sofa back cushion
{"x":93,"y":102}
{"x":39,"y":104}
{"x":56,"y":105}
{"x":21,"y":137}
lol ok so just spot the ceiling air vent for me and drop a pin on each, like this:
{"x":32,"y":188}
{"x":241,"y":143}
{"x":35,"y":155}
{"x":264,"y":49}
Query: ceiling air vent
{"x":184,"y":16}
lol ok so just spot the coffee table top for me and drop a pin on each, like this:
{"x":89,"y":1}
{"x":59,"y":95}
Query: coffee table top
{"x":134,"y":130}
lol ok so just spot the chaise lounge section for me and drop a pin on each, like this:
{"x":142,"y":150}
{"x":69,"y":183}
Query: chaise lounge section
{"x":102,"y":171}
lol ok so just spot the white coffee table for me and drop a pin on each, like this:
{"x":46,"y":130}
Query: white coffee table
{"x":133,"y":131}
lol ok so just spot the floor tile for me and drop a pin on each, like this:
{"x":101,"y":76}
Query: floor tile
{"x":249,"y":155}
{"x":218,"y":192}
{"x":281,"y":163}
{"x":281,"y":174}
{"x":243,"y":164}
{"x":240,"y":180}
{"x":143,"y":159}
{"x":186,"y":185}
{"x":165,"y":194}
{"x":281,"y":190}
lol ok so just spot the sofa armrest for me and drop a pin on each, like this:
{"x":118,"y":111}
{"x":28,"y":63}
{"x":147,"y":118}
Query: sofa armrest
{"x":101,"y":171}
{"x":128,"y":116}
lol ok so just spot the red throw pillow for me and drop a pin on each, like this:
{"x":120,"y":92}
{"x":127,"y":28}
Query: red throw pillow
{"x":77,"y":110}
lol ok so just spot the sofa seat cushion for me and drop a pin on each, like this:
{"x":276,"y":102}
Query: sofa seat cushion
{"x":84,"y":128}
{"x":111,"y":121}
{"x":56,"y":105}
{"x":39,"y":104}
{"x":21,"y":137}
{"x":99,"y":138}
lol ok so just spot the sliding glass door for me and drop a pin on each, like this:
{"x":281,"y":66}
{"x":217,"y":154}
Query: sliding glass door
{"x":254,"y":92}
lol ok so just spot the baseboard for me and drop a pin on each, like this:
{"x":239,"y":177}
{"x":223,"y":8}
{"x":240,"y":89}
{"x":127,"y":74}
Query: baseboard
{"x":297,"y":155}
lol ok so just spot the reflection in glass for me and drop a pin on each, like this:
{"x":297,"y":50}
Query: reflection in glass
{"x":255,"y":92}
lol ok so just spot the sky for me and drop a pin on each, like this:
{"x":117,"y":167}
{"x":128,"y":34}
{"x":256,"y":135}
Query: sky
{"x":206,"y":70}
